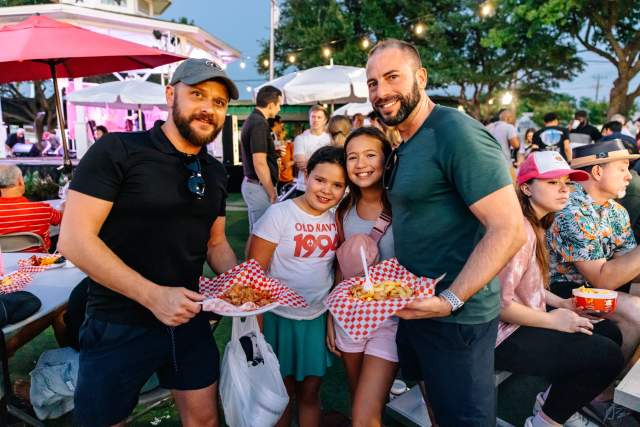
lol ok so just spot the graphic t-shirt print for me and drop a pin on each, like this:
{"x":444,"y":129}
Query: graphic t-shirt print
{"x":317,"y":240}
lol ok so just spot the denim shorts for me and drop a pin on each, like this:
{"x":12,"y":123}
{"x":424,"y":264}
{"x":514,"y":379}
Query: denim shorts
{"x":456,"y":363}
{"x":117,"y":359}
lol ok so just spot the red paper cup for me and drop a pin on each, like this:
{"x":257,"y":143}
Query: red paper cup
{"x":598,"y":300}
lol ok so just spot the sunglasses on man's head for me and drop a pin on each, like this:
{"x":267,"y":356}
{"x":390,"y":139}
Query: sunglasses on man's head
{"x":195,"y":182}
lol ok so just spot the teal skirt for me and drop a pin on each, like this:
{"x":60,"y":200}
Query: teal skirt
{"x":299,"y":345}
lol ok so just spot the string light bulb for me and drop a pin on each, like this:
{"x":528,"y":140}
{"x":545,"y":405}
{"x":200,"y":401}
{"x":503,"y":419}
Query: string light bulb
{"x":243,"y":65}
{"x":486,"y":9}
{"x":326,"y":52}
{"x":292,"y":59}
{"x":419,"y":29}
{"x":506,"y":98}
{"x":365,"y":43}
{"x":265,"y":63}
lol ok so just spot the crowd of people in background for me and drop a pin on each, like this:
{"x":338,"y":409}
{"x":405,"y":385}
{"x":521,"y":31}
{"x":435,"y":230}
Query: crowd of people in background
{"x":18,"y":144}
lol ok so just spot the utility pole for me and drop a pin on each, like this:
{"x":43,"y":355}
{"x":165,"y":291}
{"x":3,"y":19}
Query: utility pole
{"x":597,"y":78}
{"x":273,"y":6}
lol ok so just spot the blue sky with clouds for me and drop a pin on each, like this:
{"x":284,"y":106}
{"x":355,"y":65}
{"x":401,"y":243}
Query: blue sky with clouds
{"x":242,"y":23}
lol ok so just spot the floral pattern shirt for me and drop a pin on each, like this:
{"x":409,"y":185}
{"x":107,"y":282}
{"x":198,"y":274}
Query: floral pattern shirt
{"x":586,"y":231}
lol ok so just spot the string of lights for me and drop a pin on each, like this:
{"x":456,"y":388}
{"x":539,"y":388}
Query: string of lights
{"x":418,"y":27}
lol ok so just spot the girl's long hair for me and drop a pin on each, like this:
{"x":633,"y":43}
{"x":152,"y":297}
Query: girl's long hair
{"x":354,"y":195}
{"x":339,"y":127}
{"x":539,"y":227}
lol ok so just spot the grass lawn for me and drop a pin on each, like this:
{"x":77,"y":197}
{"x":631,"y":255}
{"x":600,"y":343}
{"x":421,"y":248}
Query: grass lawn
{"x":515,"y":398}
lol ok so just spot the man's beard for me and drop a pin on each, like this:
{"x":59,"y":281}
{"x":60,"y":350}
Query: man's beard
{"x":407,"y":104}
{"x":183,"y":124}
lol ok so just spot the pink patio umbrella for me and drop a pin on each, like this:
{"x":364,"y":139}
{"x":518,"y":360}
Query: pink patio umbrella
{"x":40,"y":48}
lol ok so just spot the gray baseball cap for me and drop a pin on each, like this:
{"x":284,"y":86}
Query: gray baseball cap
{"x":193,"y":71}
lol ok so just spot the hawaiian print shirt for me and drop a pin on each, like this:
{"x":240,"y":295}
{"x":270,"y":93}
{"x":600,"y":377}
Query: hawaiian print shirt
{"x":586,"y":231}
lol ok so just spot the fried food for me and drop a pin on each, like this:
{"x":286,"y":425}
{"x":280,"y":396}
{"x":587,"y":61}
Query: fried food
{"x":241,"y":294}
{"x":387,"y":289}
{"x":586,"y":290}
{"x":6,"y":281}
{"x":43,"y":261}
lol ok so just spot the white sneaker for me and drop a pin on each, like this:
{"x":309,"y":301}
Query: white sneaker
{"x":527,"y":422}
{"x":611,"y":415}
{"x":579,"y":420}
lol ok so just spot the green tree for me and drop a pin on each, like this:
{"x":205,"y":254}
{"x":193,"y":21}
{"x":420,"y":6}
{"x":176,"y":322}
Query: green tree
{"x":610,"y":29}
{"x":184,"y":20}
{"x":455,"y":45}
{"x":7,"y":3}
{"x":560,"y":103}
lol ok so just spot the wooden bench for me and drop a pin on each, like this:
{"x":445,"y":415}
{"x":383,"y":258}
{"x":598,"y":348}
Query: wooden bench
{"x":410,"y":410}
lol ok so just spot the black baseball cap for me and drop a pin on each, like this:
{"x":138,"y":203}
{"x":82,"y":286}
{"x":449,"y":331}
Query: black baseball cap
{"x":197,"y":70}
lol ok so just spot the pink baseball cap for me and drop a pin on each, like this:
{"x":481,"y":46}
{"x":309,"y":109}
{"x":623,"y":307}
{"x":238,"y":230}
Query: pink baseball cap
{"x":547,"y":165}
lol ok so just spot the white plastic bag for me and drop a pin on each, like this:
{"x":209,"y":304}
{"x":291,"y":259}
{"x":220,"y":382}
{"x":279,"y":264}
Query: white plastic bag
{"x":252,"y":391}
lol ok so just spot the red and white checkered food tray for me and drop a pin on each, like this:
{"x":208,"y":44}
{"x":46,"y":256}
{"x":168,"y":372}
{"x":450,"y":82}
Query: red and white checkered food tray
{"x":249,"y":273}
{"x":26,"y":266}
{"x":19,"y":279}
{"x":359,"y":318}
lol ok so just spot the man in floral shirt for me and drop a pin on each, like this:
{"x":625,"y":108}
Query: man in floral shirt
{"x":585,"y":231}
{"x":591,"y":242}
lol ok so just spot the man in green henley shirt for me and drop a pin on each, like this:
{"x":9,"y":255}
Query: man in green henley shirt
{"x":455,"y":211}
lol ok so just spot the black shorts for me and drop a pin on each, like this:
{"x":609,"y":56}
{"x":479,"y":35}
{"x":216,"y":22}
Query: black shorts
{"x":116,"y":360}
{"x":456,"y":363}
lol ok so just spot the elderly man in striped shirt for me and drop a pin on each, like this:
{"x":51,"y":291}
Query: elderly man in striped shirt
{"x":18,"y":214}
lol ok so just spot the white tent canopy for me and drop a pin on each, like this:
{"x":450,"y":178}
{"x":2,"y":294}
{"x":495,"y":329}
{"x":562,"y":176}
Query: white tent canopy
{"x":126,"y":95}
{"x":329,"y":84}
{"x":354,"y":108}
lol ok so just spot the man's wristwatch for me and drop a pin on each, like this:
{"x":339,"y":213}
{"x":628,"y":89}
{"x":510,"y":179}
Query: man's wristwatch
{"x":456,"y":303}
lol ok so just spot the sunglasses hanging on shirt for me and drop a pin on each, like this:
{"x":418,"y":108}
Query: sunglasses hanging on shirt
{"x":195,"y":182}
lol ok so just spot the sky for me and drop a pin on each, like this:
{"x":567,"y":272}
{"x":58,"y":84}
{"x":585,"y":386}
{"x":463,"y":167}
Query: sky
{"x":243,"y":23}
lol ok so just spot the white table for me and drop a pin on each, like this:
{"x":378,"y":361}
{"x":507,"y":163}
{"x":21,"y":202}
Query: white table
{"x":53,"y":288}
{"x":627,"y":393}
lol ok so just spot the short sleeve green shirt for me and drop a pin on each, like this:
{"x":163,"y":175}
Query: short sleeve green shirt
{"x":448,"y":165}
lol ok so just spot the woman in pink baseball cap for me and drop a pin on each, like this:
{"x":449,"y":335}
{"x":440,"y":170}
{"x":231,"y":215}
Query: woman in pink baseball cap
{"x":580,"y":358}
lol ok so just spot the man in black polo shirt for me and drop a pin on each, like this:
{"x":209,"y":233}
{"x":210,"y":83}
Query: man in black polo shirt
{"x":145,"y":210}
{"x":259,"y":156}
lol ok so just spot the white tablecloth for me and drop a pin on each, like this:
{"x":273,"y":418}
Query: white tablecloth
{"x":53,"y":287}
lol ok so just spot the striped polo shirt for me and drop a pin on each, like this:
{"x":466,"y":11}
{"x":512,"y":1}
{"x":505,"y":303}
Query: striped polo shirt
{"x":18,"y":214}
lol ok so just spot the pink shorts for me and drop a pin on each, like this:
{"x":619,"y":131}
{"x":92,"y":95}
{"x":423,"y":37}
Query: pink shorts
{"x":380,"y":343}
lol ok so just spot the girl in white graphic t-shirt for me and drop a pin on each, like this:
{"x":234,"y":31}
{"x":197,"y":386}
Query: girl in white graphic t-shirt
{"x":295,"y":241}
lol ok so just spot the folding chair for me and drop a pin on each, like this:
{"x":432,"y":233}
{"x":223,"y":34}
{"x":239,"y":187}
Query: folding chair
{"x":16,"y":242}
